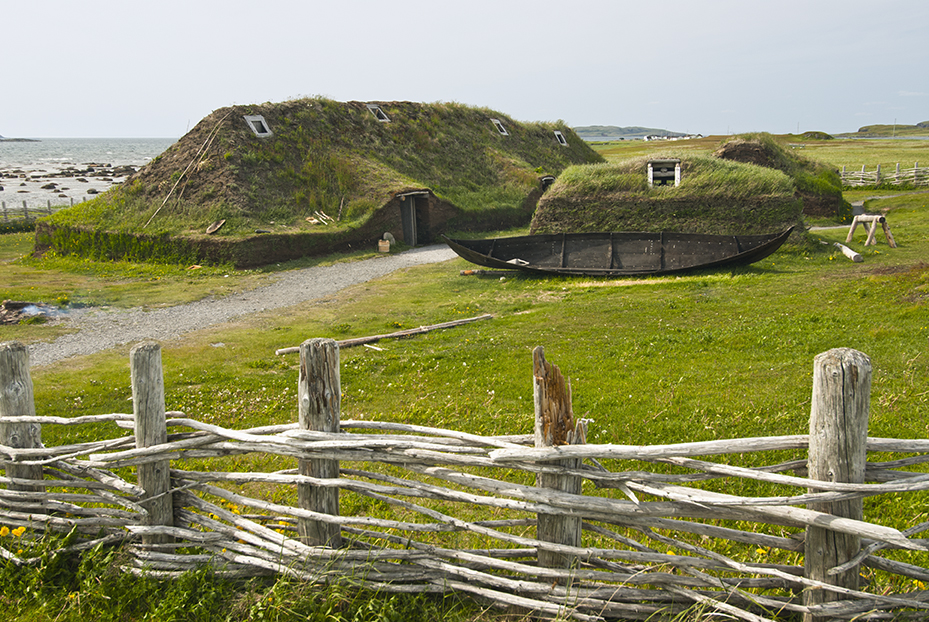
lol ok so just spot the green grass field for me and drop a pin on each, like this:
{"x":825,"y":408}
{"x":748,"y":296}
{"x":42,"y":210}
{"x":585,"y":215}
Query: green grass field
{"x":651,"y":360}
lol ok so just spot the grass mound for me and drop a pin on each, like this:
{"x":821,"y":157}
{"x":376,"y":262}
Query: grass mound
{"x":818,"y":185}
{"x":337,"y":158}
{"x":715,"y":196}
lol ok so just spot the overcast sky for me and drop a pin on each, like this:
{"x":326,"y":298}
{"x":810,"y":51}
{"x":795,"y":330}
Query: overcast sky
{"x":155,"y":68}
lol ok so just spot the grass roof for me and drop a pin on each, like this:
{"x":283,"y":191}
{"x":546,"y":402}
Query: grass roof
{"x":714,"y":196}
{"x":334,"y":157}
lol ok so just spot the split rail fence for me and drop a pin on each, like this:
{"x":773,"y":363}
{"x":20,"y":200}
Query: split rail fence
{"x":915,"y":176}
{"x":15,"y":212}
{"x":534,"y":521}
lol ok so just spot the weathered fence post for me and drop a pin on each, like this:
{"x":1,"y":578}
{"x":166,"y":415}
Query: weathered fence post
{"x":837,"y":453}
{"x":25,"y":211}
{"x":319,"y":391}
{"x":6,"y":217}
{"x":16,"y":400}
{"x":554,"y":425}
{"x":148,"y":407}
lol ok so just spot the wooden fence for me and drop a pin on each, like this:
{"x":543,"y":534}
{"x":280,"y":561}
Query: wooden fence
{"x":25,"y":212}
{"x":915,"y":176}
{"x":534,"y":521}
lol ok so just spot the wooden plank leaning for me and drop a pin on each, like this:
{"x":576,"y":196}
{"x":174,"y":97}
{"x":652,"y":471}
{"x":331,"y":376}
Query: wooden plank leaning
{"x":148,"y":407}
{"x":16,"y":400}
{"x":837,"y":453}
{"x":319,"y":391}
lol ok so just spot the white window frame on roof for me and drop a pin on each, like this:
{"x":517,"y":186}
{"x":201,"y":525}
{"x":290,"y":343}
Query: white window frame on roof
{"x":258,"y":125}
{"x":561,"y":139}
{"x":379,"y":114}
{"x":499,"y":126}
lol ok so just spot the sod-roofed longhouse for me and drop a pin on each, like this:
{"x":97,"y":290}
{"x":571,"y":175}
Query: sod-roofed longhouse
{"x":314,"y":176}
{"x":714,"y":196}
{"x":817,"y":184}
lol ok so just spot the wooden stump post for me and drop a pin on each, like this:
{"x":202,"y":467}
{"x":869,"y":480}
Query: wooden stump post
{"x":837,"y":453}
{"x":554,"y":425}
{"x":320,"y":393}
{"x":148,"y":407}
{"x":16,"y":400}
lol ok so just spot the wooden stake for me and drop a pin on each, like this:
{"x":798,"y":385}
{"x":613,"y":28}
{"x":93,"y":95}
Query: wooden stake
{"x":837,"y":453}
{"x":319,"y":390}
{"x":16,"y":400}
{"x":148,"y":406}
{"x":554,"y":426}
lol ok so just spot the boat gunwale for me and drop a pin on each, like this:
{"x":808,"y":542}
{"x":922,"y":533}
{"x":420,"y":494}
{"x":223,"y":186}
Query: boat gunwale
{"x":770,"y":244}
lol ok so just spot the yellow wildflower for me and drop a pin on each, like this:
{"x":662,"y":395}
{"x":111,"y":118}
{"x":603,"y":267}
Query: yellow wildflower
{"x":19,"y":531}
{"x":4,"y":531}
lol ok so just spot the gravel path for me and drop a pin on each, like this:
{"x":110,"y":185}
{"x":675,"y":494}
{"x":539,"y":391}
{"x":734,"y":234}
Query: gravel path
{"x":99,"y":329}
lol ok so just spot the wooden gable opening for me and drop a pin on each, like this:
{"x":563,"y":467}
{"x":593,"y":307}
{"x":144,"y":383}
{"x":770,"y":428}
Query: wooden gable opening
{"x":664,"y":172}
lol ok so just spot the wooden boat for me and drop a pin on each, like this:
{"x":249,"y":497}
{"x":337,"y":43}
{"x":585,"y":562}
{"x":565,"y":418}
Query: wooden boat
{"x":617,"y":254}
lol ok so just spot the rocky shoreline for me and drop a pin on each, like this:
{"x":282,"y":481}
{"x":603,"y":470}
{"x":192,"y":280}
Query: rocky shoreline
{"x":41,"y":188}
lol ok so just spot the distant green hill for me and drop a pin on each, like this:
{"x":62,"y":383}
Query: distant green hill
{"x":612,"y":132}
{"x":883,"y":130}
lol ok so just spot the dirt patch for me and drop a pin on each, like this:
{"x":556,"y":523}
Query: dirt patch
{"x":914,"y":269}
{"x":747,"y":152}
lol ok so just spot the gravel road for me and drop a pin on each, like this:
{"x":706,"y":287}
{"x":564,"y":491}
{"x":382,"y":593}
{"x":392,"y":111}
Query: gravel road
{"x":99,"y":329}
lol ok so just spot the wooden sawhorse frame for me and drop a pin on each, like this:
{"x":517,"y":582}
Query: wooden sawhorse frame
{"x":863,"y":220}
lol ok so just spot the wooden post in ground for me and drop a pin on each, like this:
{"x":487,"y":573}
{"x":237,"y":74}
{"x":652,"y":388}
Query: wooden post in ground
{"x":554,"y":425}
{"x":25,"y":211}
{"x":6,"y":217}
{"x":837,"y":453}
{"x":16,"y":400}
{"x":148,"y":407}
{"x":319,"y":391}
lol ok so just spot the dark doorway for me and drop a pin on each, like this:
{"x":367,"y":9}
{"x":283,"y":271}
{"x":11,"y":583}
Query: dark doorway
{"x":414,"y":219}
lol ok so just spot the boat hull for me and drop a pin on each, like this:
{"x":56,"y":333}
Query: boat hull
{"x":618,"y":253}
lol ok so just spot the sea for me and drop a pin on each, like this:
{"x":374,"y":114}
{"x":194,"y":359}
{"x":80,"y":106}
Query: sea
{"x":28,"y":168}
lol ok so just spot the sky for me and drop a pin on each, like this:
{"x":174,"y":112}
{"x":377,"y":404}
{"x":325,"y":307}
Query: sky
{"x":155,"y":68}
